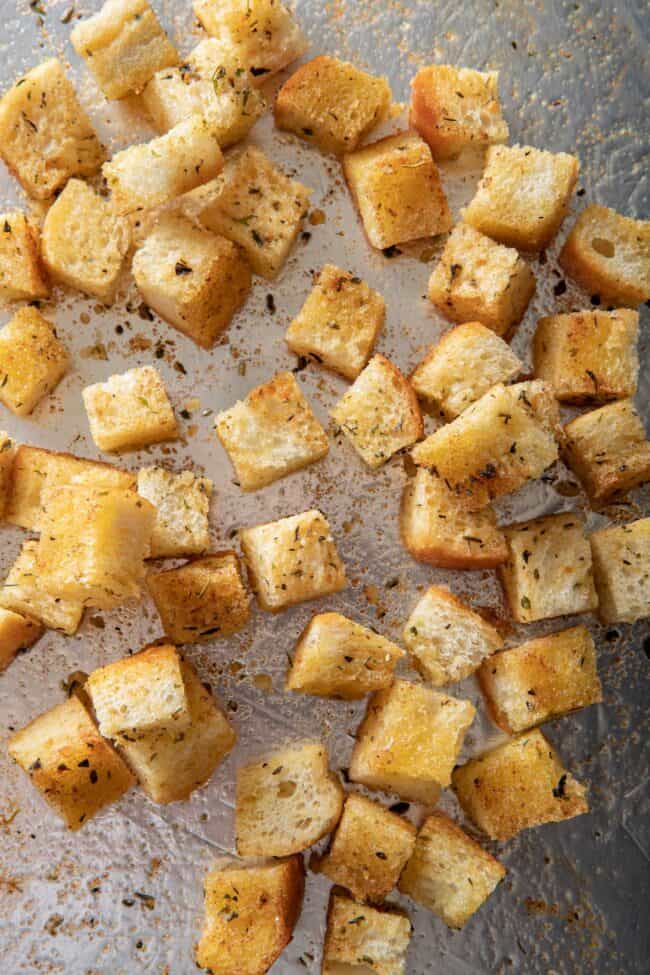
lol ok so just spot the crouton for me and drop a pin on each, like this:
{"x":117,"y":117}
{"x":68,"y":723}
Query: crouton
{"x":271,"y":433}
{"x":192,"y":278}
{"x":169,"y":763}
{"x":22,"y":276}
{"x":447,"y":639}
{"x":477,"y":278}
{"x":202,"y":600}
{"x":23,"y":593}
{"x":379,"y":414}
{"x":45,"y":135}
{"x":16,"y":633}
{"x":368,"y":850}
{"x":362,"y":940}
{"x":609,"y":255}
{"x":259,"y":208}
{"x":608,"y":450}
{"x":129,"y":410}
{"x":588,"y":356}
{"x":548,"y":571}
{"x":621,"y":557}
{"x":339,"y":323}
{"x":467,"y":362}
{"x":438,"y":530}
{"x":286,"y":802}
{"x":506,"y":438}
{"x":32,"y":360}
{"x":182,"y":502}
{"x":397,"y":189}
{"x":68,"y":761}
{"x":454,"y":108}
{"x":449,"y":873}
{"x":8,"y":453}
{"x":409,"y":741}
{"x":250,"y":913}
{"x":515,"y":786}
{"x":332,"y":104}
{"x":336,"y":657}
{"x":292,"y":560}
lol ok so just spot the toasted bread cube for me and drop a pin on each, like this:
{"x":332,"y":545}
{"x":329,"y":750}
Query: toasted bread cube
{"x":506,"y":438}
{"x":32,"y":361}
{"x":22,"y":277}
{"x":369,"y":849}
{"x":453,"y":108}
{"x":362,"y":940}
{"x":16,"y":633}
{"x":608,"y":450}
{"x":477,"y":278}
{"x":45,"y":135}
{"x":271,"y":433}
{"x":409,"y":740}
{"x":23,"y":592}
{"x":8,"y":452}
{"x":467,"y":362}
{"x":250,"y":913}
{"x":202,"y":600}
{"x":76,"y":771}
{"x":609,"y":255}
{"x":447,"y":639}
{"x":339,"y":323}
{"x":379,"y":414}
{"x":397,"y":189}
{"x":622,"y":571}
{"x":259,"y":208}
{"x":449,"y":873}
{"x":130,"y":410}
{"x":332,"y":104}
{"x":286,"y":802}
{"x":182,"y":502}
{"x":336,"y":657}
{"x":170,"y":764}
{"x":548,"y":572}
{"x":292,"y":560}
{"x":588,"y":356}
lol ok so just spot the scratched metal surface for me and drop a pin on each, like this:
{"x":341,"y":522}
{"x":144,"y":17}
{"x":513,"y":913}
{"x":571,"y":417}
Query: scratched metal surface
{"x":574,"y":77}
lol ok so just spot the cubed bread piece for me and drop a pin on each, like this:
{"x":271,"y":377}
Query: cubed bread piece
{"x":449,"y":873}
{"x":332,"y":104}
{"x":259,"y":208}
{"x":339,"y":323}
{"x":192,"y":278}
{"x":453,"y":108}
{"x":609,"y":255}
{"x":548,"y":571}
{"x":22,"y":276}
{"x":286,"y":802}
{"x":477,"y":278}
{"x":76,"y":771}
{"x":621,"y":557}
{"x":8,"y":452}
{"x":32,"y":360}
{"x":292,"y":560}
{"x":363,"y":940}
{"x":23,"y":593}
{"x":397,"y":189}
{"x":506,"y":438}
{"x":379,"y":414}
{"x":202,"y":600}
{"x":517,"y":785}
{"x":45,"y":135}
{"x":171,"y":764}
{"x":409,"y":741}
{"x":271,"y":433}
{"x":336,"y":657}
{"x":588,"y":356}
{"x":123,"y":46}
{"x":439,"y":530}
{"x":182,"y":502}
{"x":608,"y":450}
{"x":130,"y":410}
{"x":467,"y":362}
{"x":369,"y":849}
{"x":448,"y":640}
{"x":16,"y":633}
{"x":251,"y":910}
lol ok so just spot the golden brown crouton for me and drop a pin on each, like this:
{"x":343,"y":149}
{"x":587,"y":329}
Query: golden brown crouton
{"x":22,"y":276}
{"x":622,"y":571}
{"x":129,"y":410}
{"x":182,"y":502}
{"x":32,"y":360}
{"x":23,"y":593}
{"x":16,"y":633}
{"x":8,"y":453}
{"x":362,"y":940}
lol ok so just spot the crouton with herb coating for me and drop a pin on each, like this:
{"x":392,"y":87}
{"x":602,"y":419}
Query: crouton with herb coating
{"x":8,"y":452}
{"x":182,"y":502}
{"x":33,"y":360}
{"x":363,"y":940}
{"x":130,"y":410}
{"x":23,"y":593}
{"x":621,"y":557}
{"x":22,"y":275}
{"x":17,"y":633}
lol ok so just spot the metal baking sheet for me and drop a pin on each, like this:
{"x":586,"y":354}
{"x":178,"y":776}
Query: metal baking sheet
{"x":574,"y":77}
